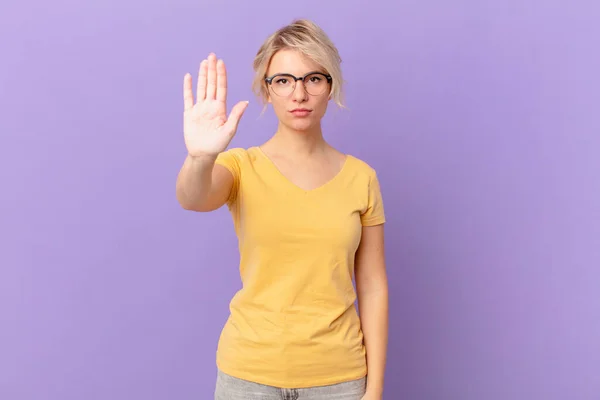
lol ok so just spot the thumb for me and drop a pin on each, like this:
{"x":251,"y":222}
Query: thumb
{"x":234,"y":116}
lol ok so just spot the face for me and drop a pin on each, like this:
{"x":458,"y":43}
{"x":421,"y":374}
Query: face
{"x":297,"y":109}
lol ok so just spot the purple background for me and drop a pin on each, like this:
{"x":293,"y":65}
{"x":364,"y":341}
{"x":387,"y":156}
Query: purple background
{"x":481,"y":118}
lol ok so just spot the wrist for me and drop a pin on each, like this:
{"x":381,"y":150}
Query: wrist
{"x":202,"y":158}
{"x":376,"y":391}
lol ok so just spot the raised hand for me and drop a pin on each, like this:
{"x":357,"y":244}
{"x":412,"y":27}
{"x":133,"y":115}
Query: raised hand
{"x":207,"y":129}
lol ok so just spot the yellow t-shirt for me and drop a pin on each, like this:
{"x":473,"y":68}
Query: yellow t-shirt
{"x":294,"y":323}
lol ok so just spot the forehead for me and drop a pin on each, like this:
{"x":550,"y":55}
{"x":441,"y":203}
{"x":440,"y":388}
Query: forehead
{"x":292,"y":62}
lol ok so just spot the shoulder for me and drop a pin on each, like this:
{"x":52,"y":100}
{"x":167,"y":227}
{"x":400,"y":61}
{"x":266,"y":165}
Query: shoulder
{"x":237,"y":152}
{"x":362,"y":167}
{"x":242,"y":152}
{"x":238,"y":155}
{"x":238,"y":160}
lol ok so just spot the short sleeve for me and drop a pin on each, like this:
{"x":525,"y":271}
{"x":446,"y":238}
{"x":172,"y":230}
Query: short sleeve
{"x":373,"y":213}
{"x":231,"y":160}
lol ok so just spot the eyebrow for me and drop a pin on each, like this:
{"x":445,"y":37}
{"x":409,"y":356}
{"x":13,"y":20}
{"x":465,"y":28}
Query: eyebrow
{"x":297,"y":76}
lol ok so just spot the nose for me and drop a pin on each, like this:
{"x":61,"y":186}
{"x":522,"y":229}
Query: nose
{"x":300,"y":94}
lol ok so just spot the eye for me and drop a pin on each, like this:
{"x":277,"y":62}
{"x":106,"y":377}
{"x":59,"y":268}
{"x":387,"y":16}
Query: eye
{"x":315,"y":79}
{"x":281,"y":81}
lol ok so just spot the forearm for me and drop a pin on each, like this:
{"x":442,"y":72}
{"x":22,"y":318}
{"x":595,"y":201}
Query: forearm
{"x":194,"y":181}
{"x":373,"y":307}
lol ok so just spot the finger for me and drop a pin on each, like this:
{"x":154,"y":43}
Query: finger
{"x":188,"y":97}
{"x":202,"y":72}
{"x":221,"y":81}
{"x":211,"y":86}
{"x":234,"y":117}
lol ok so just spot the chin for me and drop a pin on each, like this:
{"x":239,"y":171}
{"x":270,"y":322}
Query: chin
{"x":302,"y":125}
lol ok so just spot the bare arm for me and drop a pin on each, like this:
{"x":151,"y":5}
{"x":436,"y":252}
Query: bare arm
{"x":372,"y":290}
{"x":203,"y":185}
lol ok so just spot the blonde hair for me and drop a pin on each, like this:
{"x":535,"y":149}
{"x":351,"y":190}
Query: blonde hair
{"x":309,"y":39}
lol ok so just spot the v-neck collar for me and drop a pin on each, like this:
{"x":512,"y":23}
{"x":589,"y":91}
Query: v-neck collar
{"x":278,"y":172}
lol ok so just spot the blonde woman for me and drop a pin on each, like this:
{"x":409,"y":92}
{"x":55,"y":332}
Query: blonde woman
{"x":309,"y":220}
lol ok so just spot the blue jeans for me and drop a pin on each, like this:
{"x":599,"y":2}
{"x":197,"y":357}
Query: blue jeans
{"x":231,"y":388}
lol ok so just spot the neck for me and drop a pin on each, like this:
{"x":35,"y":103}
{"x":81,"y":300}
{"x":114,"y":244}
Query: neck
{"x":302,"y":144}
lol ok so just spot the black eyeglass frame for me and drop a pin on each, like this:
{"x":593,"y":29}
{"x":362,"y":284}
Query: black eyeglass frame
{"x":269,"y":80}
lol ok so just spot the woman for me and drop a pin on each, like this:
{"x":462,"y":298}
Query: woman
{"x":308,"y":218}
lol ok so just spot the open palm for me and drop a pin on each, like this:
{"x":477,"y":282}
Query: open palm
{"x":207,"y":129}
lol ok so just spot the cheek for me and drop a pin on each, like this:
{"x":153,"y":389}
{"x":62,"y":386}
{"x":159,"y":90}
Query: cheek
{"x":278,"y":105}
{"x":322,"y":104}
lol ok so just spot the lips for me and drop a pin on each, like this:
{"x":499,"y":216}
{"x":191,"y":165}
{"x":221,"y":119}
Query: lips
{"x":300,"y":112}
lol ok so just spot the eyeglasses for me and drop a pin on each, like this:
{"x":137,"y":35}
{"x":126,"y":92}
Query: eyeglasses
{"x":315,"y":83}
